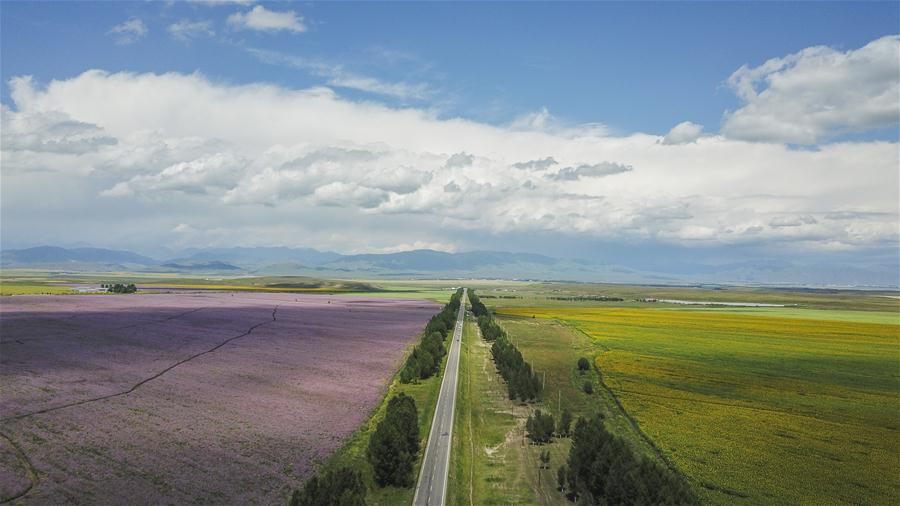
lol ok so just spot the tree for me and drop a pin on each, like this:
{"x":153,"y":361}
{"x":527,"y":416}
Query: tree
{"x":539,"y":427}
{"x":561,"y":478}
{"x":340,"y":487}
{"x":545,"y":459}
{"x":583,"y":364}
{"x":391,"y":463}
{"x":588,"y":387}
{"x":402,"y":413}
{"x":565,"y":423}
{"x":395,"y":443}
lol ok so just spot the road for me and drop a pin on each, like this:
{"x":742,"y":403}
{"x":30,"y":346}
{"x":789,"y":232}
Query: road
{"x":431,"y":490}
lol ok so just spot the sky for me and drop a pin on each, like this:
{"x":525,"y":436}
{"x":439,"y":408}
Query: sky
{"x":632,"y":133}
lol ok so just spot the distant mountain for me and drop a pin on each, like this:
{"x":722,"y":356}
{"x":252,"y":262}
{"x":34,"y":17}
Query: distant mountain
{"x":279,"y":261}
{"x":211,"y":266}
{"x":254,"y":258}
{"x":425,"y":260}
{"x":75,"y":258}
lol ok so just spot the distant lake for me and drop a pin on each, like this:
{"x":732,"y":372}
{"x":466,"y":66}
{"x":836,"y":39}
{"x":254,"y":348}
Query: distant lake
{"x":712,"y":303}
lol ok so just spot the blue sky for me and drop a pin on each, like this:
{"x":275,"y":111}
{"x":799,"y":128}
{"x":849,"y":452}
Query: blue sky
{"x":645,"y":134}
{"x":631,"y":66}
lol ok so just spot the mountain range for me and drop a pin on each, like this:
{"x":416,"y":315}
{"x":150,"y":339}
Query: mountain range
{"x":424,"y":263}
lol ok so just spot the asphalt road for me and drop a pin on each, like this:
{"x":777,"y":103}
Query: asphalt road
{"x":431,"y":489}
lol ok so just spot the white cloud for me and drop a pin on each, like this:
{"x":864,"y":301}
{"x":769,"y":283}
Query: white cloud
{"x":792,"y":221}
{"x":322,"y":168}
{"x":536,"y":165}
{"x":349,"y":195}
{"x":129,"y":31}
{"x":196,"y":176}
{"x":186,"y":30}
{"x":460,"y":160}
{"x":817,"y":93}
{"x":261,"y":19}
{"x":50,"y":132}
{"x":601,"y":169}
{"x":216,"y":3}
{"x":683,"y":133}
{"x":338,"y":76}
{"x":408,"y":246}
{"x":544,"y":121}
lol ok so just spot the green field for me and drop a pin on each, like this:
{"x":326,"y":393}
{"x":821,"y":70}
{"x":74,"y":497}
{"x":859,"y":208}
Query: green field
{"x":492,"y":462}
{"x":754,"y":407}
{"x":547,"y":294}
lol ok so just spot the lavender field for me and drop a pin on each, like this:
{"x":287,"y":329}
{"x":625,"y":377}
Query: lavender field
{"x":187,"y":398}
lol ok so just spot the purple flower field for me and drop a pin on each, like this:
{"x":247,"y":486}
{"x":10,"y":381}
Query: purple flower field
{"x":187,"y":398}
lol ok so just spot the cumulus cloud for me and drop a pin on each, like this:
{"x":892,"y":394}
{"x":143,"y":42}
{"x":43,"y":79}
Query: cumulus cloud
{"x":817,"y":93}
{"x":263,"y":20}
{"x":315,"y":165}
{"x":186,"y":30}
{"x":460,"y":160}
{"x":50,"y":132}
{"x":601,"y":169}
{"x":683,"y":133}
{"x":349,"y":195}
{"x":129,"y":31}
{"x":537,"y":165}
{"x":196,"y":176}
{"x":792,"y":221}
{"x":543,"y":121}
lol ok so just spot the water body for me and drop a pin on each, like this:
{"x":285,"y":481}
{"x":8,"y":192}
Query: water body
{"x":711,"y":303}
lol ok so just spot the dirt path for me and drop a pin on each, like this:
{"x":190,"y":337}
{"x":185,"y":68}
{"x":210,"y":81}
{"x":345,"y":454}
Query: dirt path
{"x":25,"y":462}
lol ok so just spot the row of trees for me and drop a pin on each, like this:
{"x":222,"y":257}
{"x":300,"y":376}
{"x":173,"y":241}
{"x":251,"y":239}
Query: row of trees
{"x":394,"y":445}
{"x":478,"y":309}
{"x":490,"y":331}
{"x":521,"y":381}
{"x":602,"y":469}
{"x":120,"y":288}
{"x":425,"y":359}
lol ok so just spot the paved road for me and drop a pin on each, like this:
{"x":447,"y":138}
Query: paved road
{"x":432,"y":487}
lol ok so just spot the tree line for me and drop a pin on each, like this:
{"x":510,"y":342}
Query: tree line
{"x":120,"y":288}
{"x":425,"y":358}
{"x":602,"y":469}
{"x":521,"y":381}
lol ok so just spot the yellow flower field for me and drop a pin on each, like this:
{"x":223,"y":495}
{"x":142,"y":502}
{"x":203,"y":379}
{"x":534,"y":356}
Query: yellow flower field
{"x":757,"y":409}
